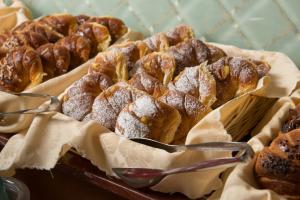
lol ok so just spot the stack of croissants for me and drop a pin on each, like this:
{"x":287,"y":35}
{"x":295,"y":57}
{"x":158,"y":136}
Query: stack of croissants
{"x":38,"y":50}
{"x":159,"y":87}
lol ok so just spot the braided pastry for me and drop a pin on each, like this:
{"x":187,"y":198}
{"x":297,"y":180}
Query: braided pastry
{"x":147,"y":117}
{"x":78,"y":101}
{"x":21,"y":68}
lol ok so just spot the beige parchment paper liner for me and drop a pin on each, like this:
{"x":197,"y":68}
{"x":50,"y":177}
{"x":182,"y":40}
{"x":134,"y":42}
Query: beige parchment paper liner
{"x":13,"y":15}
{"x":241,"y":183}
{"x":51,"y":135}
{"x":54,"y":87}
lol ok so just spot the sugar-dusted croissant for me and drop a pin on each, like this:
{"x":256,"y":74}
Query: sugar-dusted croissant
{"x":190,"y":109}
{"x":79,"y":48}
{"x":147,"y":117}
{"x":189,"y":53}
{"x":262,"y":67}
{"x":78,"y":100}
{"x":55,"y":59}
{"x":117,"y":60}
{"x":21,"y":68}
{"x":160,"y":65}
{"x":277,"y":167}
{"x":179,"y":34}
{"x":234,"y":76}
{"x":293,"y":121}
{"x":198,"y":82}
{"x":110,"y":102}
{"x":215,"y":53}
{"x":157,"y":42}
{"x":116,"y":27}
{"x":97,"y":33}
{"x":65,"y":24}
{"x":147,"y":83}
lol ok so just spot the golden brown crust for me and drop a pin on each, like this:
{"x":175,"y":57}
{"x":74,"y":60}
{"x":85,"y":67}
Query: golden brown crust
{"x":262,"y":67}
{"x":65,"y":24}
{"x":19,"y":69}
{"x":98,"y":35}
{"x":157,"y":64}
{"x":110,"y":102}
{"x":234,"y":76}
{"x":190,"y":109}
{"x":293,"y":121}
{"x":55,"y":59}
{"x":78,"y":100}
{"x":198,"y":82}
{"x":278,"y":167}
{"x":157,"y":42}
{"x":147,"y":83}
{"x":189,"y":53}
{"x":215,"y":53}
{"x":116,"y":27}
{"x":179,"y":34}
{"x":79,"y":48}
{"x":147,"y":117}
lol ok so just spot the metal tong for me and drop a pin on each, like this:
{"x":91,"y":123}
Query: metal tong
{"x":144,"y":177}
{"x":54,"y":103}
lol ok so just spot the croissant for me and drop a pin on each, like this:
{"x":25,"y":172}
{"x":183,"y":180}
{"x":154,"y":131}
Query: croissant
{"x":78,"y":100}
{"x":116,"y":27}
{"x":293,"y":121}
{"x":278,"y":167}
{"x":24,"y":38}
{"x":65,"y":24}
{"x":262,"y":67}
{"x":118,"y":60}
{"x":79,"y":48}
{"x":157,"y":42}
{"x":160,"y":65}
{"x":19,"y":69}
{"x":81,"y":19}
{"x":55,"y":59}
{"x":42,"y":29}
{"x":147,"y":117}
{"x":110,"y":102}
{"x":147,"y":83}
{"x":198,"y":82}
{"x":190,"y":109}
{"x":98,"y":35}
{"x":189,"y":53}
{"x":215,"y":53}
{"x":179,"y":34}
{"x":234,"y":76}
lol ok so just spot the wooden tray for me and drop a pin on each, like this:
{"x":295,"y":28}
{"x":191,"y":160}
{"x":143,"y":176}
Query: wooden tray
{"x":76,"y":166}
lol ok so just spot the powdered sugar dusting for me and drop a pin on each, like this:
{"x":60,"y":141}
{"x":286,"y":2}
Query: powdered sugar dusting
{"x":144,"y":106}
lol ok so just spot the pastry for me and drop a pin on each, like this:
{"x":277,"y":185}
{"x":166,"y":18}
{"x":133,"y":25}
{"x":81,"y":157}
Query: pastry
{"x":116,"y":61}
{"x":55,"y":59}
{"x":198,"y":82}
{"x":179,"y":34}
{"x":21,"y":68}
{"x":147,"y":83}
{"x":78,"y":100}
{"x":190,"y":109}
{"x":215,"y":53}
{"x":110,"y":102}
{"x":189,"y":53}
{"x":160,"y":65}
{"x":79,"y":48}
{"x":147,"y":117}
{"x":234,"y":77}
{"x":65,"y":24}
{"x":278,"y":166}
{"x":293,"y":121}
{"x":157,"y":42}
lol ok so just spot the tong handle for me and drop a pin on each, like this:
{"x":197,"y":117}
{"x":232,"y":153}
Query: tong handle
{"x":213,"y":146}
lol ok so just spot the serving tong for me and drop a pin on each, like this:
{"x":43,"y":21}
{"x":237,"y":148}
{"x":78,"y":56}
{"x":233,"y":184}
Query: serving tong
{"x":145,"y":177}
{"x":54,"y":103}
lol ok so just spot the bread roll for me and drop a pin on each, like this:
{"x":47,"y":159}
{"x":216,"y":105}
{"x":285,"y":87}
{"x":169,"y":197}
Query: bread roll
{"x":78,"y":100}
{"x":110,"y":102}
{"x":147,"y":117}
